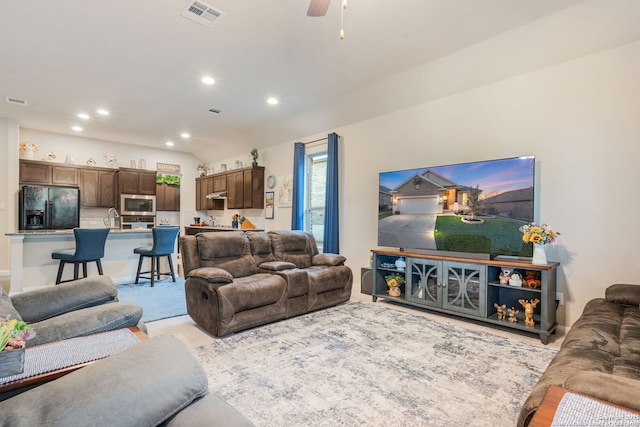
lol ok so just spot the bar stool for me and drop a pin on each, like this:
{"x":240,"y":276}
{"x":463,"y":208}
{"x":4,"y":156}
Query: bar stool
{"x":89,"y":248}
{"x":163,"y":245}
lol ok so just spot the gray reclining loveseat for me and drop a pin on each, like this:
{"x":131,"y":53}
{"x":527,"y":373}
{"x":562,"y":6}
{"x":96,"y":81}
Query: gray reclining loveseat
{"x":238,"y":280}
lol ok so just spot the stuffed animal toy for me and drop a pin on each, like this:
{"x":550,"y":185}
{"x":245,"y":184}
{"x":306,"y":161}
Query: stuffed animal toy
{"x":532,"y":279}
{"x":512,"y":314}
{"x":515,"y":279}
{"x":501,"y":310}
{"x":504,"y":275}
{"x":529,"y":306}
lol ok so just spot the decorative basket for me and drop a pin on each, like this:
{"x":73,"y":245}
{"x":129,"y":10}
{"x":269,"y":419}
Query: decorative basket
{"x":11,"y":362}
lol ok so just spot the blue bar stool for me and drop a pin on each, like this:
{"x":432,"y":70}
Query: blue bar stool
{"x":164,"y":239}
{"x":89,"y":248}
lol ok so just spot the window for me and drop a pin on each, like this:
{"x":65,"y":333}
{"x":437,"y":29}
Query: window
{"x":315,"y":195}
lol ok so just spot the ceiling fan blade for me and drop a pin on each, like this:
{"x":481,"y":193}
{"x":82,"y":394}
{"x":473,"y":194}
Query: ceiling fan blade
{"x":318,"y":7}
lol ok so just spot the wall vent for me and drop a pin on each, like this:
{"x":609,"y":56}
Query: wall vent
{"x":202,"y":13}
{"x":214,"y":111}
{"x":17,"y":101}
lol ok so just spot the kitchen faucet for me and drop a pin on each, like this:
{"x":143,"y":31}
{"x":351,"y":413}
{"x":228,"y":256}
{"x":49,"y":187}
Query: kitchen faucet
{"x":110,"y":218}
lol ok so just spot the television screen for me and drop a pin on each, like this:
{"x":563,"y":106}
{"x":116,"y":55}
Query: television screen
{"x":475,"y":207}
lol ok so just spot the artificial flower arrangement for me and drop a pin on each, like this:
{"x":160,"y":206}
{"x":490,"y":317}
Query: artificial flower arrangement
{"x":254,"y":155}
{"x":539,"y":234}
{"x":24,"y":146}
{"x":108,"y":157}
{"x":14,"y":333}
{"x":394,"y":280}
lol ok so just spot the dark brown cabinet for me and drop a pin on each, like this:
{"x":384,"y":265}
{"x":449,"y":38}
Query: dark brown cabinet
{"x":36,"y":172}
{"x":244,"y":188}
{"x":134,"y":181}
{"x":207,"y":185}
{"x":167,"y":197}
{"x":97,"y":188}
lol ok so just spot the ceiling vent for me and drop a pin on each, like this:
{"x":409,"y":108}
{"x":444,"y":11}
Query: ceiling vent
{"x":214,"y":111}
{"x":16,"y":101}
{"x":202,"y":13}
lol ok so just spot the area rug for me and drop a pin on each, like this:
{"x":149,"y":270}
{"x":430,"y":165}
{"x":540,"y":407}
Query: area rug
{"x":166,"y":298}
{"x":363,"y":365}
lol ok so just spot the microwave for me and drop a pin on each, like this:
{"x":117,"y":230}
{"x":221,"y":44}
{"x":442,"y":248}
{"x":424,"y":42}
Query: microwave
{"x":138,"y":205}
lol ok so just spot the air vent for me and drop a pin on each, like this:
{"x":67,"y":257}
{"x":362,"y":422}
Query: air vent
{"x":214,"y":111}
{"x":202,"y":13}
{"x":16,"y":101}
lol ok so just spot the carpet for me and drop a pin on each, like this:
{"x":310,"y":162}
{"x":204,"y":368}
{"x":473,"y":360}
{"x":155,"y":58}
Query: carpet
{"x":358,"y":364}
{"x":166,"y":298}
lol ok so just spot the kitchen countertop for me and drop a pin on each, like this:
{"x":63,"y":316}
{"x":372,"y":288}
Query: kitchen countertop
{"x":70,"y":232}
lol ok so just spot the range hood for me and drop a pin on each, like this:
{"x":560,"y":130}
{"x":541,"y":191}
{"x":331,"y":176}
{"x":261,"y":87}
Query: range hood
{"x":217,"y":195}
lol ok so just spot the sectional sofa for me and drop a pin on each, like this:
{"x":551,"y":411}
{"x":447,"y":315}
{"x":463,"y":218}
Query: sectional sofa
{"x":600,"y":355}
{"x":238,"y":280}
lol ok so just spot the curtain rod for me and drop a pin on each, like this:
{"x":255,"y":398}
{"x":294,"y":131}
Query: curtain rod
{"x":317,"y":140}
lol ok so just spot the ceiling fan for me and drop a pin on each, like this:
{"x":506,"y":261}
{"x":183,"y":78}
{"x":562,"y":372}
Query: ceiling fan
{"x":319,"y":8}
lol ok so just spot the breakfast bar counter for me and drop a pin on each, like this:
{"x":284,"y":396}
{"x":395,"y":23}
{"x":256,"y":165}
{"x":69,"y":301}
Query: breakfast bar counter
{"x":32,"y":266}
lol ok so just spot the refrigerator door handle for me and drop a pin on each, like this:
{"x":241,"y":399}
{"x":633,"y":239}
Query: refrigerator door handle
{"x":47,"y":214}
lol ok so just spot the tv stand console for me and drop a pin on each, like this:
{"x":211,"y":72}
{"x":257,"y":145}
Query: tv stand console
{"x":470,"y":287}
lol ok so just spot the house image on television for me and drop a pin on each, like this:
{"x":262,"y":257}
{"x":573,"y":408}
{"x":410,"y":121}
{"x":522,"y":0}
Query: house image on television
{"x":429,"y":193}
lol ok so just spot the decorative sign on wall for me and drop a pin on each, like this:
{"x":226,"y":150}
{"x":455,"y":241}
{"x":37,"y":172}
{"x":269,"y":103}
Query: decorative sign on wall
{"x":269,"y":199}
{"x":167,"y":167}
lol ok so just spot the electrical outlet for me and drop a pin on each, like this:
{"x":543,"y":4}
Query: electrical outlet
{"x":560,"y":298}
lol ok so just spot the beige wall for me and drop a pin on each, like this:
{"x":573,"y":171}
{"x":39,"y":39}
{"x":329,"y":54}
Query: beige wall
{"x":577,"y":116}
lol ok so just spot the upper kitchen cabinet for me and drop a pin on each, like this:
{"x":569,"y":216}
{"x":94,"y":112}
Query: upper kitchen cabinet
{"x":136,"y":181}
{"x":207,"y":185}
{"x":245,"y":188}
{"x":167,"y":197}
{"x":36,"y":172}
{"x":97,"y":188}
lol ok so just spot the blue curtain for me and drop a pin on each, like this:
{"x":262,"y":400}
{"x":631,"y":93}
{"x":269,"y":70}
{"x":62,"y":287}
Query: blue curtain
{"x":331,"y":226}
{"x":297,"y":200}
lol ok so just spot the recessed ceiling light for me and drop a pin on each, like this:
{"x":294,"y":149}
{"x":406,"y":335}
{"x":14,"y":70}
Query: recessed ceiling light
{"x":185,"y":135}
{"x":102,"y":112}
{"x":84,"y":116}
{"x":77,"y":128}
{"x":272,"y":101}
{"x":207,"y":80}
{"x":169,"y":144}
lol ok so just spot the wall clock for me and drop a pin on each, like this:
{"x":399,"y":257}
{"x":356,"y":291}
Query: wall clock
{"x":271,"y":181}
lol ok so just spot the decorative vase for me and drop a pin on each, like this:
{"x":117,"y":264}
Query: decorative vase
{"x":12,"y":362}
{"x":254,"y":163}
{"x":539,"y":255}
{"x":400,"y":264}
{"x":27,"y":153}
{"x":395,"y":291}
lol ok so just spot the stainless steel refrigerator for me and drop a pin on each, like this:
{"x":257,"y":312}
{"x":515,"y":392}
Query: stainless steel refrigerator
{"x":49,"y":208}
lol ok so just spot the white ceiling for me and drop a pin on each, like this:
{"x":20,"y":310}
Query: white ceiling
{"x":143,"y":62}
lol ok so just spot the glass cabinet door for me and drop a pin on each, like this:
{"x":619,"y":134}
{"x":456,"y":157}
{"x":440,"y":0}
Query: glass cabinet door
{"x":462,"y":288}
{"x":423,"y":282}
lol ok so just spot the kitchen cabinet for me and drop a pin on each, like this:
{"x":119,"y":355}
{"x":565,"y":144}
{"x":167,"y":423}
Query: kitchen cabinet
{"x":206,"y":185}
{"x":135,"y":181}
{"x":245,"y":188}
{"x":36,"y":172}
{"x":97,"y":188}
{"x":167,"y":197}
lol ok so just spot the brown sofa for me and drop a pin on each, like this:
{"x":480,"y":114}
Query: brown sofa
{"x":238,"y":280}
{"x":600,"y":356}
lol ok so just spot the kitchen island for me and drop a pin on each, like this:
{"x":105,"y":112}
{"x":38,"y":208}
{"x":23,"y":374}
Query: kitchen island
{"x":32,"y":266}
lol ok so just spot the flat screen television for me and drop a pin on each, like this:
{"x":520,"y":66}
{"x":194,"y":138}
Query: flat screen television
{"x":468,"y":208}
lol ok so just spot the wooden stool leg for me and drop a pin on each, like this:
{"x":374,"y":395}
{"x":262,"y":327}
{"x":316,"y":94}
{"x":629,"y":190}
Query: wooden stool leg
{"x":60,"y":268}
{"x":139,"y":267}
{"x":173,"y":276}
{"x":99,"y":264}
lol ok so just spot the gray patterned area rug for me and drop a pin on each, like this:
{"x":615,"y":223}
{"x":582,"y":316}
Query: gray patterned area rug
{"x":363,"y":365}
